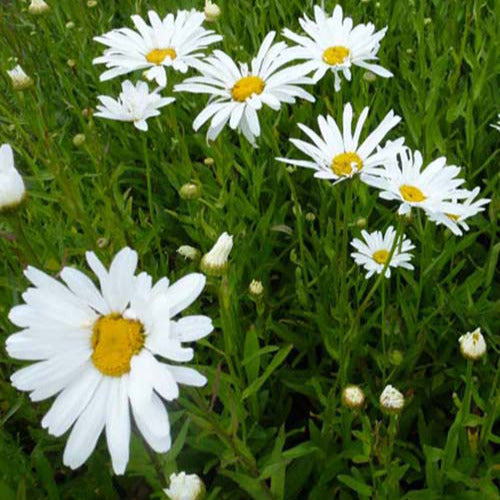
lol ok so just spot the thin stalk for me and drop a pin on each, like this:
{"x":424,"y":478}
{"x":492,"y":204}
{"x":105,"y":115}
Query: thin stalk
{"x":15,"y":219}
{"x":148,"y":178}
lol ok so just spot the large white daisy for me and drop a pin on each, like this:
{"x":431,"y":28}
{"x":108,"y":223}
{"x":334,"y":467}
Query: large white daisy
{"x":134,"y":104}
{"x":332,"y":43}
{"x":434,"y":188}
{"x":96,"y":349}
{"x":339,"y":154}
{"x":176,"y":41}
{"x":374,"y":252}
{"x":238,"y":92}
{"x":457,"y":223}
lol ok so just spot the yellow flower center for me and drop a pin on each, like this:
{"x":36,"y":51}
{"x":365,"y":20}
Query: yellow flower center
{"x":247,"y":86}
{"x":336,"y":55}
{"x":157,"y":56}
{"x":342,"y":163}
{"x":380,"y":256}
{"x":412,"y":194}
{"x":114,"y":341}
{"x":453,"y":217}
{"x":475,"y":337}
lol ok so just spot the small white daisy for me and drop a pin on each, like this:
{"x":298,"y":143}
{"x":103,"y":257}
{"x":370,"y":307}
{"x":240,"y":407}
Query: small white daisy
{"x":433,"y":188}
{"x":134,"y":104}
{"x":496,"y":125}
{"x":374,"y":252}
{"x":97,"y":351}
{"x":337,"y":155}
{"x":239,"y":92}
{"x":470,"y":207}
{"x":175,"y":41}
{"x":332,"y":43}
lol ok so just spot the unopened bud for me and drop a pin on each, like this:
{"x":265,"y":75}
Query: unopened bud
{"x":190,"y":191}
{"x":38,"y":7}
{"x":20,"y":80}
{"x":472,"y":345}
{"x":212,"y":11}
{"x":208,"y":161}
{"x":392,"y":400}
{"x":256,"y":288}
{"x":188,"y":252}
{"x":214,"y":262}
{"x":353,"y":397}
{"x":79,"y":140}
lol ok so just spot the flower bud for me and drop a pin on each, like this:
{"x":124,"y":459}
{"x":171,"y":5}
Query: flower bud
{"x":214,"y":262}
{"x":310,"y":217}
{"x":71,"y":63}
{"x":392,"y":400}
{"x":70,"y":25}
{"x":188,"y":252}
{"x":190,"y":191}
{"x":353,"y":397}
{"x":256,"y":288}
{"x":185,"y":487}
{"x":91,"y":3}
{"x":472,"y":345}
{"x":212,"y":11}
{"x":38,"y":7}
{"x":79,"y":140}
{"x":20,"y":80}
{"x":208,"y":161}
{"x":369,"y":76}
{"x":12,"y":188}
{"x":361,"y":223}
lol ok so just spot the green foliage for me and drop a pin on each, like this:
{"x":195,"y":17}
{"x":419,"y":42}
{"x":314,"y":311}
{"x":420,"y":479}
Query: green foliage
{"x":269,"y":424}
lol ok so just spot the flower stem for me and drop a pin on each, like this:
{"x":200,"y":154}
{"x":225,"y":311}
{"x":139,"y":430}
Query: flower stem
{"x":148,"y":177}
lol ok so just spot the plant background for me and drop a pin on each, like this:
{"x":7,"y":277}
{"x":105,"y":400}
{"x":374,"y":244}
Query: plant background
{"x":269,"y":424}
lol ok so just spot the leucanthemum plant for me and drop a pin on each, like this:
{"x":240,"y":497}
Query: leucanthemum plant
{"x":338,"y":154}
{"x":239,"y":92}
{"x":374,"y":252}
{"x":333,"y":43}
{"x":134,"y":104}
{"x":470,"y":206}
{"x":434,"y":188}
{"x":175,"y":41}
{"x":97,"y":351}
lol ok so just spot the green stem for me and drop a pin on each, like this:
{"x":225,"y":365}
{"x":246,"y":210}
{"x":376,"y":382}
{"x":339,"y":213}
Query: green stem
{"x":15,"y":219}
{"x":382,"y":333}
{"x":148,"y":177}
{"x":465,"y":411}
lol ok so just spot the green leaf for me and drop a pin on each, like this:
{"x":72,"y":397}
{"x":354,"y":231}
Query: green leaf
{"x":275,"y":363}
{"x":356,"y":485}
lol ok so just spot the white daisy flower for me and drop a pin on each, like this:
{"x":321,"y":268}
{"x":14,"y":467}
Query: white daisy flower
{"x":353,"y":397}
{"x":12,"y":188}
{"x":96,"y":349}
{"x":175,"y":41}
{"x":38,"y":7}
{"x":496,"y":125}
{"x":434,"y":188}
{"x":332,"y":43}
{"x":239,"y":92}
{"x":215,"y":261}
{"x":337,"y":155}
{"x":374,"y":252}
{"x":470,"y":207}
{"x":134,"y":104}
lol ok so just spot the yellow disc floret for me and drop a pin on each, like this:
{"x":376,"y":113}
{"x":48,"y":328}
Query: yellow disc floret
{"x":343,"y":163}
{"x":114,"y":341}
{"x":336,"y":55}
{"x":157,"y":56}
{"x":380,"y":256}
{"x":412,"y":194}
{"x":246,"y":87}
